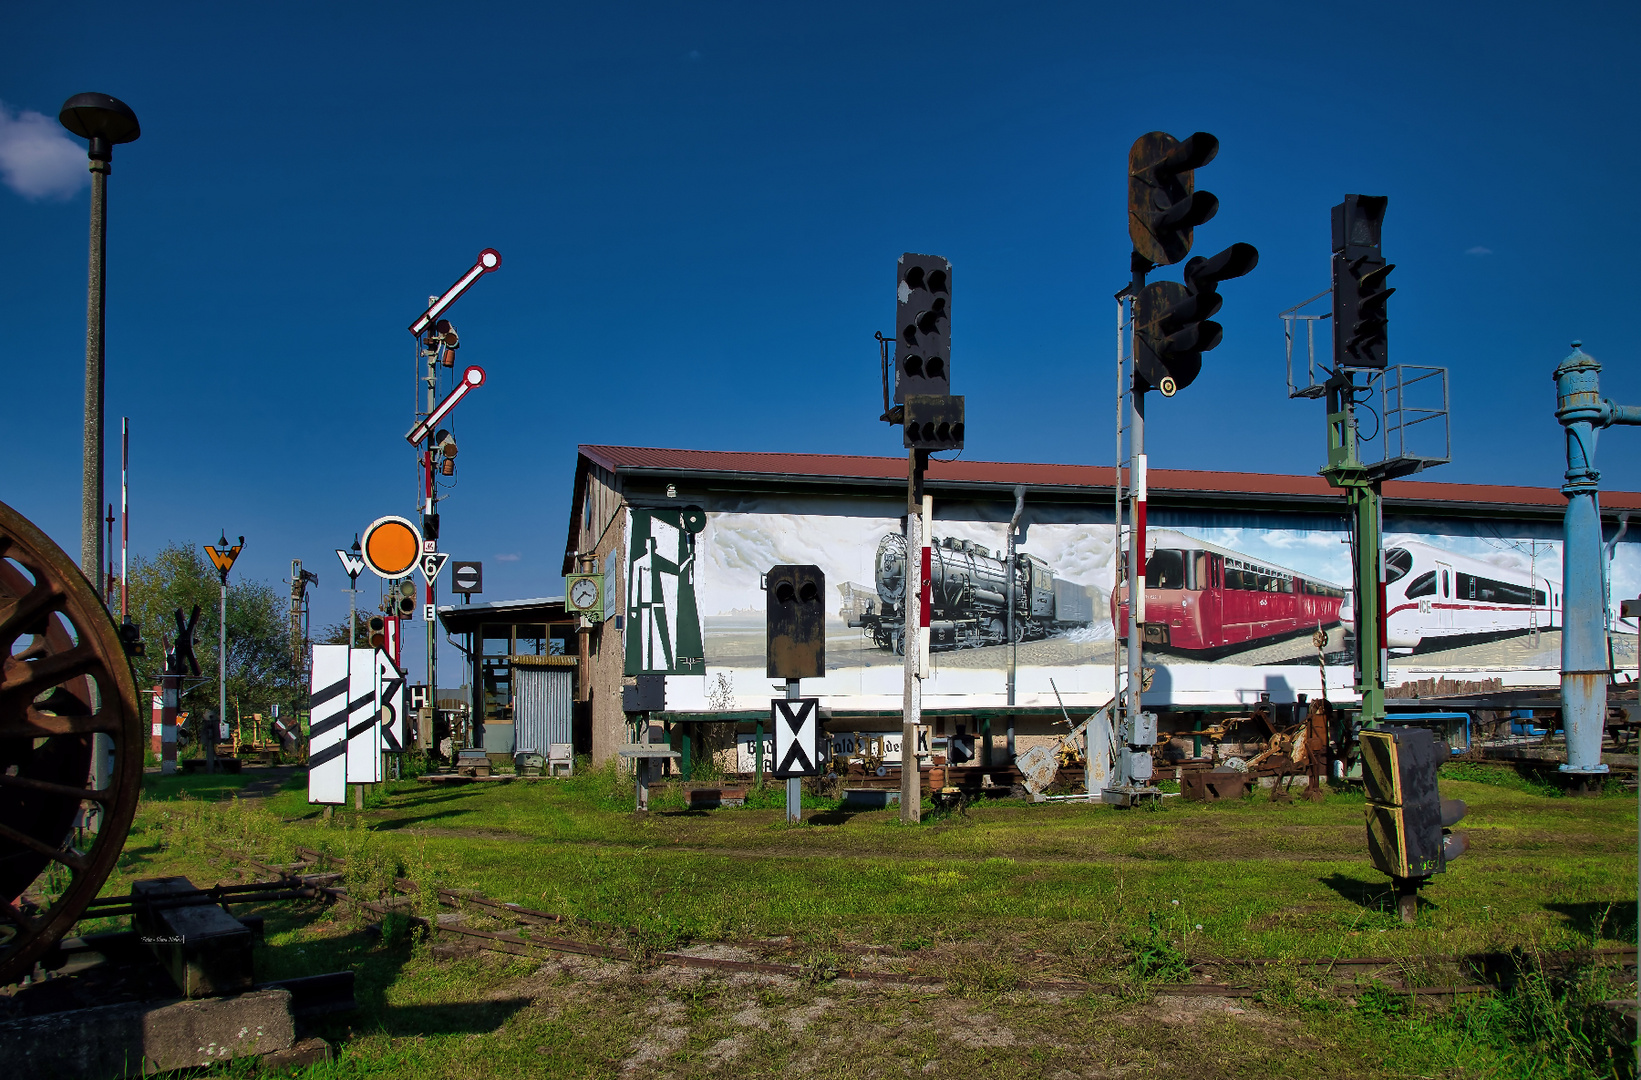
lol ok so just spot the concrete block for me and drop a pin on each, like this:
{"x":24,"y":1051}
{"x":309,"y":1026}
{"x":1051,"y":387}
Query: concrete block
{"x":140,"y":1038}
{"x":870,"y":798}
{"x":206,"y":950}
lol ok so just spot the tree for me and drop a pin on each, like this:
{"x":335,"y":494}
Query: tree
{"x":337,"y":632}
{"x":261,"y":668}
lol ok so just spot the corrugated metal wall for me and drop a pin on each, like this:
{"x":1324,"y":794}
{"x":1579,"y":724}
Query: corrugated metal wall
{"x":541,"y":707}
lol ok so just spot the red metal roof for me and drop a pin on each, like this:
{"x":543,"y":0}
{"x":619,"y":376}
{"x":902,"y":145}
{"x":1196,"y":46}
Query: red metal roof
{"x":819,"y":466}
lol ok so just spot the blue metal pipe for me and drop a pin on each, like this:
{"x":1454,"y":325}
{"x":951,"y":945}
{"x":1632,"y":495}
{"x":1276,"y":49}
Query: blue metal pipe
{"x":1582,"y":411}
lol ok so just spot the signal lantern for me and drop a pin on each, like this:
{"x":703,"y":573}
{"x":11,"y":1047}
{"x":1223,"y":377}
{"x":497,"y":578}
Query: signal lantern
{"x":1360,"y":321}
{"x":796,"y":622}
{"x":1408,"y":822}
{"x":933,"y":422}
{"x":447,"y":467}
{"x":923,"y":348}
{"x":1163,"y":205}
{"x":1172,"y":322}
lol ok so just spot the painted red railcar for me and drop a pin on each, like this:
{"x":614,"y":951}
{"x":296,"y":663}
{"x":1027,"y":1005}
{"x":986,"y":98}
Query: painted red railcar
{"x":1199,"y":596}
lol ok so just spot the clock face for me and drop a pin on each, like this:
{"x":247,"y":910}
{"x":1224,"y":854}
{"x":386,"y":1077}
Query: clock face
{"x":584,"y":593}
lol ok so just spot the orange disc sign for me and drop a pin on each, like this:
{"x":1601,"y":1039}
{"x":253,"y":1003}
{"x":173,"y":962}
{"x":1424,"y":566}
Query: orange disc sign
{"x":392,"y":546}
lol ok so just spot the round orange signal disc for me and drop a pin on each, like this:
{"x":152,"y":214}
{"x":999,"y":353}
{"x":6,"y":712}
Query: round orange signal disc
{"x":392,"y":546}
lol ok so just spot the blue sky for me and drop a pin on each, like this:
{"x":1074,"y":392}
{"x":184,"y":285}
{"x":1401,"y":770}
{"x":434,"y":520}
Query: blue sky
{"x":699,"y":209}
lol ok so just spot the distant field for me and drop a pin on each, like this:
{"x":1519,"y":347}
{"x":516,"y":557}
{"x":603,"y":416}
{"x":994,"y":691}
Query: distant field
{"x":1006,"y":896}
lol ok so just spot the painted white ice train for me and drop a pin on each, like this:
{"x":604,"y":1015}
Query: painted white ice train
{"x":1431,"y":593}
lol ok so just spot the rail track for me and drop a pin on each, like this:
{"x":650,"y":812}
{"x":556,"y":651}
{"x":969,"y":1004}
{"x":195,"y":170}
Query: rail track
{"x":320,"y":876}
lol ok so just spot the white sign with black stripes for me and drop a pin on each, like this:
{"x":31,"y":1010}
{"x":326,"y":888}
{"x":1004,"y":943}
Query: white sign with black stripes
{"x":328,"y":726}
{"x":364,"y":732}
{"x":355,"y":712}
{"x":796,"y":724}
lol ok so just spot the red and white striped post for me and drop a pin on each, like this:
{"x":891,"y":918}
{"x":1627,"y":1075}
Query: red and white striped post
{"x":168,"y":723}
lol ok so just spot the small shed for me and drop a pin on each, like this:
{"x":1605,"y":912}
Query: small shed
{"x":524,"y":661}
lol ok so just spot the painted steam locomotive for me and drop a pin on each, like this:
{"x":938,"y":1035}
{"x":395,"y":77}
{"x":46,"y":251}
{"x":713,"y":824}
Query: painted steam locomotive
{"x":969,"y":597}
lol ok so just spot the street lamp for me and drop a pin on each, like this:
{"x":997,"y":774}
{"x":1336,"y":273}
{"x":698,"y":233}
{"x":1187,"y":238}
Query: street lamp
{"x":105,"y":121}
{"x":353,"y":592}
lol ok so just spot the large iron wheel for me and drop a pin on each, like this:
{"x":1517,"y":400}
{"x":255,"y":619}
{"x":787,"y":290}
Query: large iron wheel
{"x":66,"y":678}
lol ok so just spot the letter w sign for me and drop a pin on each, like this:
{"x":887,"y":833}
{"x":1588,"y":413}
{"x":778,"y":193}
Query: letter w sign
{"x":796,"y":723}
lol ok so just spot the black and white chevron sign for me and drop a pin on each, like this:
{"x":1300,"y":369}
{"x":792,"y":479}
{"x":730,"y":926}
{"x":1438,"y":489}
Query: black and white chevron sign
{"x":796,"y":724}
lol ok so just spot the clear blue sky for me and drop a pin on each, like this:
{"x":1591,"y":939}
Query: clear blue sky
{"x":699,"y":212}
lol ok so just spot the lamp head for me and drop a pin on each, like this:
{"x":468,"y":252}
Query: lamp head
{"x":102,"y":119}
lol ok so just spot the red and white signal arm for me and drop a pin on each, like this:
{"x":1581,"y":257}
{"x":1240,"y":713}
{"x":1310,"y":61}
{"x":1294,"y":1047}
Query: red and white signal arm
{"x":488,"y":262}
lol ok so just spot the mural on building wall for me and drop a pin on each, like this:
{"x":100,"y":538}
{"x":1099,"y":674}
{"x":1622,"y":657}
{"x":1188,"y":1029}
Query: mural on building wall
{"x":1234,"y":602}
{"x":663,"y":631}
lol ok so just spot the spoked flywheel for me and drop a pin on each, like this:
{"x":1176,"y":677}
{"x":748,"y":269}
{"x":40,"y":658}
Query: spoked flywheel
{"x":66,"y":680}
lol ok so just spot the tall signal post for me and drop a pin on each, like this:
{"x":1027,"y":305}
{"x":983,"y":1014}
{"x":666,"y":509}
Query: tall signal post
{"x":1170,"y":326}
{"x":1360,"y":349}
{"x":920,"y":402}
{"x":436,"y":344}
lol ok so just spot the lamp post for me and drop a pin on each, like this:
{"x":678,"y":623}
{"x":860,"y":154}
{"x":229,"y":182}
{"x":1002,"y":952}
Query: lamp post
{"x":105,"y":121}
{"x":353,"y":593}
{"x":222,"y":557}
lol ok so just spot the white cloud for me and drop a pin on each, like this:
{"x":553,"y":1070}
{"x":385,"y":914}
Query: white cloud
{"x":511,"y":556}
{"x":1478,"y":250}
{"x":38,"y":159}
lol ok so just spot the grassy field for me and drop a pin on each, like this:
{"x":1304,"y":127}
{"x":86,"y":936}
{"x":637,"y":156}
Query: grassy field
{"x":993,"y":902}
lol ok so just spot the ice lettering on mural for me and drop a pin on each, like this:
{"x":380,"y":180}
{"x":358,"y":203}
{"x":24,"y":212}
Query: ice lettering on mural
{"x":663,"y":625}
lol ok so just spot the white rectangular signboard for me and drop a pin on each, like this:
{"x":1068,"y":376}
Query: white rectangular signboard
{"x":364,"y":732}
{"x":328,"y":726}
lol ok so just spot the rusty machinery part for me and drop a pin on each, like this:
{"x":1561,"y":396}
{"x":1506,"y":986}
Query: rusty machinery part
{"x":66,"y":679}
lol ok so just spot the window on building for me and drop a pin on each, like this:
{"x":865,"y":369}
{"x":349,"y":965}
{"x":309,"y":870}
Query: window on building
{"x":530,"y":639}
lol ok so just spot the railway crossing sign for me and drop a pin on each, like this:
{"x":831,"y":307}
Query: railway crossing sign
{"x":796,"y":723}
{"x":432,"y":563}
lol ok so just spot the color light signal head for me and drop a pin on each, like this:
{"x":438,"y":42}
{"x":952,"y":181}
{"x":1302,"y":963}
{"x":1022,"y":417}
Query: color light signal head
{"x":392,"y":547}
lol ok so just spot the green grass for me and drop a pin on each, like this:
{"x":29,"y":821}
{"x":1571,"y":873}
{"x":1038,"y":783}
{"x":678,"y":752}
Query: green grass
{"x":991,"y":901}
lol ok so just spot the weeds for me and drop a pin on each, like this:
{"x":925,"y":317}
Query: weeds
{"x":1153,"y":956}
{"x":1547,"y":1027}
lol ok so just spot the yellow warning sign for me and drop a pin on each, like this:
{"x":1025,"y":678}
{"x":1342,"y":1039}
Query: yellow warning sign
{"x":224,"y":560}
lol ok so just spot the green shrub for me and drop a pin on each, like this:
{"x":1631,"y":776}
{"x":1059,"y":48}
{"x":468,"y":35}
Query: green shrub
{"x":1152,"y":955}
